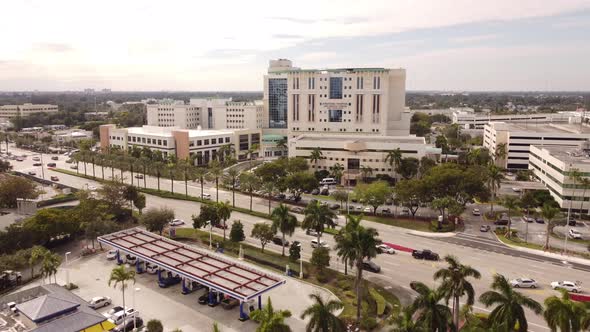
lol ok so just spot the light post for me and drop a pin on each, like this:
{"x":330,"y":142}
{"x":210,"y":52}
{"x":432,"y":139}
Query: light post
{"x":67,"y":269}
{"x":301,"y":262}
{"x":136,"y":289}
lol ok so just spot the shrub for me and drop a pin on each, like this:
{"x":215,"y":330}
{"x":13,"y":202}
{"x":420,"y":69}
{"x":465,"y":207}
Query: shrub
{"x":379,"y":300}
{"x":320,"y":258}
{"x":368,"y":323}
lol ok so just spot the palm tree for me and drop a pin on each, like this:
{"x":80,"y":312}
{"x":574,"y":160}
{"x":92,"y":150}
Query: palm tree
{"x":366,"y":171}
{"x":322,"y":318}
{"x":223,"y":211}
{"x":574,"y":175}
{"x":337,"y":171}
{"x":215,"y":172}
{"x":317,"y":217}
{"x":282,"y":143}
{"x":394,"y":158}
{"x":316,"y":155}
{"x":50,"y":264}
{"x":283,"y":221}
{"x":501,"y":152}
{"x":158,"y":168}
{"x":494,"y":178}
{"x":120,"y":276}
{"x":564,"y":314}
{"x":171,"y":168}
{"x":405,"y":322}
{"x":585,"y":183}
{"x":200,"y":174}
{"x":250,"y":152}
{"x":548,"y":212}
{"x":250,"y":182}
{"x":232,"y":177}
{"x":269,"y":188}
{"x":356,"y":245}
{"x":455,"y":283}
{"x":511,"y":203}
{"x":434,"y":315}
{"x":37,"y":254}
{"x":509,"y":306}
{"x":270,"y":320}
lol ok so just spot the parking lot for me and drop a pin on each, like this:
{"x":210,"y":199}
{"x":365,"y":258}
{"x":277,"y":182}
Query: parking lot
{"x":537,"y":233}
{"x":174,"y":309}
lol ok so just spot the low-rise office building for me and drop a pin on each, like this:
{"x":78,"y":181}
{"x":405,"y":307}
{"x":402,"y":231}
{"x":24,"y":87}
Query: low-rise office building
{"x":516,"y":139}
{"x":355,"y":152}
{"x":554,"y":165}
{"x":11,"y":111}
{"x":473,"y":120}
{"x":66,"y":136}
{"x":201,"y":144}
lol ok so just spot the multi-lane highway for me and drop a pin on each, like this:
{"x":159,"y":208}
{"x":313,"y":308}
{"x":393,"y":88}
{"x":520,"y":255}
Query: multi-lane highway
{"x":482,"y":252}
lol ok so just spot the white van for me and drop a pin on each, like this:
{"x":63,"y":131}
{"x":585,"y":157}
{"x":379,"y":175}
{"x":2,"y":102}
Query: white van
{"x":323,"y":244}
{"x":328,"y":181}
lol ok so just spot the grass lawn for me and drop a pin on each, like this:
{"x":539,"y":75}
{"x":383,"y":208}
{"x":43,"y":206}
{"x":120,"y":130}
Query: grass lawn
{"x":415,"y":224}
{"x":518,"y":242}
{"x":341,"y":285}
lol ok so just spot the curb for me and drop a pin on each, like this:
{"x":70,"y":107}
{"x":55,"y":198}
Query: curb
{"x":428,"y":234}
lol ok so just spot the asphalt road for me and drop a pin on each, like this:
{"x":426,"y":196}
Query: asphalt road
{"x":482,"y":252}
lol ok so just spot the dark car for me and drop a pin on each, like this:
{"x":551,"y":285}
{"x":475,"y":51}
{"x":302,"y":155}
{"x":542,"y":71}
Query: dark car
{"x":229,"y":303}
{"x":572,"y":222}
{"x":55,"y":158}
{"x":539,"y":221}
{"x":371,"y":266}
{"x":279,"y":240}
{"x":129,"y":325}
{"x":425,"y":254}
{"x":297,"y":209}
{"x":316,"y":191}
{"x":221,"y":225}
{"x":280,"y":196}
{"x":334,"y":206}
{"x":325,"y":192}
{"x":501,"y":222}
{"x":296,"y":244}
{"x":386,"y":211}
{"x":204,"y":299}
{"x":51,"y":165}
{"x":139,"y":176}
{"x":37,"y":164}
{"x":169,"y":281}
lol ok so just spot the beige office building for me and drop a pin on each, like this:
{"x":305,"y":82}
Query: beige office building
{"x":11,"y":111}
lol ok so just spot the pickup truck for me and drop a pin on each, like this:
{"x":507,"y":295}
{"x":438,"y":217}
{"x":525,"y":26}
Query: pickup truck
{"x":425,"y":254}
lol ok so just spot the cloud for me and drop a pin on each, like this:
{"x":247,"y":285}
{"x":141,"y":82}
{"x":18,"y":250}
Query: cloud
{"x":293,"y":19}
{"x":287,"y":36}
{"x":53,"y":47}
{"x":473,"y":39}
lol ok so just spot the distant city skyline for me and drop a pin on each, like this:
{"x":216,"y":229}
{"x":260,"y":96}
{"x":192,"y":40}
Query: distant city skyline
{"x":447,"y":45}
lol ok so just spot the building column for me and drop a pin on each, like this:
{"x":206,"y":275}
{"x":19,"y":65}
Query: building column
{"x":119,"y":261}
{"x":159,"y":275}
{"x":185,"y":289}
{"x":243,"y":315}
{"x":138,"y":266}
{"x":260,"y":302}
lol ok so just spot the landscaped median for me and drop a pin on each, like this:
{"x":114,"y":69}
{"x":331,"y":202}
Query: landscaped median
{"x":378,"y":301}
{"x":515,"y":241}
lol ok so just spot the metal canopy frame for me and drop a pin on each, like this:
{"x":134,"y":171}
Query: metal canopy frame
{"x":214,"y":271}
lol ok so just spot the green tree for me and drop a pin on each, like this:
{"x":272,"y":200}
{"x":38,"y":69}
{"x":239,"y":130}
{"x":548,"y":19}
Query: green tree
{"x":223,"y":211}
{"x":366,"y":172}
{"x":139,"y":202}
{"x":317,"y":216}
{"x":426,"y":164}
{"x":294,"y":252}
{"x":5,"y":166}
{"x":154,"y":325}
{"x":494,"y":178}
{"x":250,"y":182}
{"x":337,"y":171}
{"x":394,"y":158}
{"x":408,"y":167}
{"x":236,"y":233}
{"x":433,"y":315}
{"x":564,"y":314}
{"x":374,"y":194}
{"x":156,"y":219}
{"x":200,"y":174}
{"x":316,"y":155}
{"x":509,"y":306}
{"x":300,"y":182}
{"x":511,"y":203}
{"x":120,"y":276}
{"x":404,"y":321}
{"x":13,"y":187}
{"x":341,"y":196}
{"x":262,"y":232}
{"x":37,"y":254}
{"x":549,"y":212}
{"x":231,"y":178}
{"x":320,"y":258}
{"x":270,"y":320}
{"x":322,"y":317}
{"x":455,"y":283}
{"x":355,"y":245}
{"x":49,"y":265}
{"x":283,"y":221}
{"x":501,"y":152}
{"x":441,"y":143}
{"x":215,"y":173}
{"x":585,"y":183}
{"x":411,"y":194}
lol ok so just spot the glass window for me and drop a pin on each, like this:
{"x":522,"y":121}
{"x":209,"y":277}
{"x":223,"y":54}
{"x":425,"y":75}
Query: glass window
{"x":199,"y":142}
{"x":214,"y":141}
{"x":227,"y":140}
{"x":159,"y":142}
{"x":165,"y":143}
{"x":206,"y":142}
{"x":335,"y":87}
{"x":335,"y":115}
{"x":277,"y":102}
{"x":244,"y":142}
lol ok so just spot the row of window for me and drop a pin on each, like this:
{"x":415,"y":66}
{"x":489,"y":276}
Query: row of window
{"x":212,"y":141}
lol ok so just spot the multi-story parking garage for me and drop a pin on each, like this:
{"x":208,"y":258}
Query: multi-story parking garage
{"x":222,"y":275}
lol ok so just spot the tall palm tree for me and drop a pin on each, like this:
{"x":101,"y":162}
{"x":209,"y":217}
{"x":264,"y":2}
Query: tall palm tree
{"x":315,"y":156}
{"x":120,"y":276}
{"x":455,"y":283}
{"x":171,"y":168}
{"x":283,"y":221}
{"x":223,"y":211}
{"x":200,"y":173}
{"x":232,"y":177}
{"x":509,"y":305}
{"x":270,"y":320}
{"x":511,"y":203}
{"x":356,"y":245}
{"x":435,"y":316}
{"x":37,"y":254}
{"x":575,"y":176}
{"x":394,"y":158}
{"x":366,"y":171}
{"x":585,"y":183}
{"x":250,"y":182}
{"x":501,"y":152}
{"x":158,"y":168}
{"x":215,"y":172}
{"x":564,"y":314}
{"x":404,"y":321}
{"x":282,"y":143}
{"x":250,"y":152}
{"x":49,"y":265}
{"x":317,"y":216}
{"x":548,"y":212}
{"x":269,"y":189}
{"x":322,"y":318}
{"x":494,"y":178}
{"x":337,"y":170}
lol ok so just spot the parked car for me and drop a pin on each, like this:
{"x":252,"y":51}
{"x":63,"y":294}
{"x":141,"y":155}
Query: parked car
{"x":334,"y":206}
{"x":567,"y":285}
{"x":311,"y":232}
{"x":99,"y":302}
{"x":297,"y":209}
{"x":484,"y":228}
{"x":325,"y":191}
{"x":207,"y":196}
{"x":280,"y":196}
{"x":113,"y":311}
{"x":221,"y":225}
{"x":51,"y":165}
{"x":74,"y":167}
{"x":117,"y":318}
{"x":36,"y":159}
{"x":151,"y":268}
{"x":129,"y":325}
{"x":405,"y":212}
{"x":54,"y":178}
{"x":204,"y":299}
{"x":37,"y":164}
{"x":296,"y":244}
{"x":539,"y":221}
{"x":523,"y":283}
{"x":323,"y":244}
{"x":111,"y":254}
{"x":371,"y":266}
{"x":176,"y":222}
{"x":69,"y":161}
{"x":139,"y":176}
{"x":572,"y":222}
{"x":574,"y":234}
{"x":169,"y":281}
{"x":316,"y":191}
{"x":367,"y":210}
{"x":425,"y":254}
{"x":229,"y":303}
{"x":31,"y":173}
{"x":55,"y":158}
{"x":386,"y":211}
{"x":279,"y":241}
{"x":528,"y":219}
{"x":130,"y":259}
{"x":383,"y":248}
{"x":516,"y":189}
{"x":476,"y":212}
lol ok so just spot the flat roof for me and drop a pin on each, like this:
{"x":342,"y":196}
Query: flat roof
{"x":218,"y":272}
{"x":567,"y":154}
{"x":333,"y":70}
{"x":545,"y":127}
{"x":344,"y":138}
{"x":167,"y":131}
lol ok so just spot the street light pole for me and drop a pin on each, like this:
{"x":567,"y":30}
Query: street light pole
{"x":301,"y":262}
{"x":136,"y":289}
{"x":67,"y":269}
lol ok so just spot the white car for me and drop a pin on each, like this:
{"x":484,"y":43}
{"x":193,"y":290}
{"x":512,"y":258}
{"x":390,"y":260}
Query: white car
{"x":176,"y":222}
{"x":523,"y":283}
{"x":112,"y":311}
{"x":112,"y":254}
{"x":207,"y":196}
{"x":151,"y":268}
{"x":574,"y":234}
{"x":367,"y":210}
{"x":323,"y":244}
{"x":91,"y":188}
{"x":99,"y":302}
{"x":516,"y":189}
{"x":567,"y":285}
{"x":117,"y":318}
{"x":383,"y":248}
{"x":476,"y":212}
{"x":130,"y":259}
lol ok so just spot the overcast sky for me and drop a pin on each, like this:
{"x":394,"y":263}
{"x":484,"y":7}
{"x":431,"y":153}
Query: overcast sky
{"x":225,"y":45}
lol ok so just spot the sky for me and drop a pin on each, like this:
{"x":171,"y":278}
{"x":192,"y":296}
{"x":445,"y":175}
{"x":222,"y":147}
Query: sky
{"x":197,"y":45}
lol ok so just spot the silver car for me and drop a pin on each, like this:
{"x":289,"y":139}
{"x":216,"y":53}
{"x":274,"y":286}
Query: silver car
{"x":523,"y":283}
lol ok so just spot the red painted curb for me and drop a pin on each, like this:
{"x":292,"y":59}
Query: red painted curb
{"x":398,"y":247}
